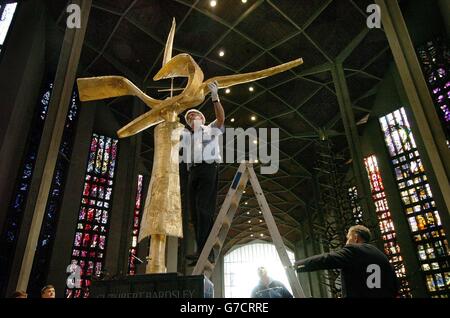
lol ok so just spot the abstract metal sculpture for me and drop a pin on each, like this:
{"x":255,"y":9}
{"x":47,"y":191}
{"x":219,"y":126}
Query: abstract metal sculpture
{"x":162,"y":211}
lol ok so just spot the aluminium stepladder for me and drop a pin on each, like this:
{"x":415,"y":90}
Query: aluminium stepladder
{"x":225,"y":217}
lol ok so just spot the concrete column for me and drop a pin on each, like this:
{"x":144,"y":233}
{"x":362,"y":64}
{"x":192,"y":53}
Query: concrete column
{"x":436,"y":153}
{"x":49,"y":147}
{"x":354,"y":143}
{"x":22,"y":69}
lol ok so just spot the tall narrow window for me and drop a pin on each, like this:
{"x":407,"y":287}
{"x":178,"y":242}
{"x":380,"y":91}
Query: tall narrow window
{"x":6,"y":17}
{"x":44,"y":247}
{"x":93,"y":220}
{"x":354,"y":205}
{"x":387,"y":228}
{"x":135,"y":228}
{"x":418,"y":203}
{"x":435,"y":58}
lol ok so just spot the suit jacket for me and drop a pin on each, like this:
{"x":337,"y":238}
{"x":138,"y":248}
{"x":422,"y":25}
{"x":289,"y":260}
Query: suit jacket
{"x":357,"y":275}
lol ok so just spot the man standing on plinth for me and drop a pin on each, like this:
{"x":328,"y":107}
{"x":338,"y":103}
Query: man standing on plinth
{"x":203,"y":166}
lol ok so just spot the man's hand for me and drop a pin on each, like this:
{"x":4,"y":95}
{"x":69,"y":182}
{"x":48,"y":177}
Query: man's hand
{"x":294,"y":267}
{"x":214,"y":88}
{"x":218,"y":109}
{"x":298,"y":266}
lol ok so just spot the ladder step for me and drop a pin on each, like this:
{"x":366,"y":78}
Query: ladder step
{"x":218,"y":245}
{"x":234,"y":204}
{"x":216,"y":250}
{"x":226,"y":223}
{"x":209,"y":266}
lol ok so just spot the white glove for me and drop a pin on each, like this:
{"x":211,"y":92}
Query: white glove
{"x":214,"y":88}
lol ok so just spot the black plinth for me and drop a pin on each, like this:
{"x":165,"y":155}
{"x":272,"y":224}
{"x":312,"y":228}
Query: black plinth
{"x":170,"y":285}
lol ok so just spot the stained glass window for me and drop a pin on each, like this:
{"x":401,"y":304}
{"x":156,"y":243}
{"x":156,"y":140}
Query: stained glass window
{"x":135,"y":227}
{"x":418,"y":203}
{"x":91,"y":233}
{"x":435,"y":58}
{"x":354,"y":205}
{"x":42,"y":256}
{"x":387,"y":228}
{"x":6,"y":17}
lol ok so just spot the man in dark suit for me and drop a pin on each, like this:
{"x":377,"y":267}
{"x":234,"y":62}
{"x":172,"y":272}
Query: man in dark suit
{"x":365,"y":270}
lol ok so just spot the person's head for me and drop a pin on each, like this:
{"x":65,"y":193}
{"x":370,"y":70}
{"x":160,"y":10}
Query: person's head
{"x":262,"y":273}
{"x":19,"y":294}
{"x":48,"y":292}
{"x":358,"y":234}
{"x":194,"y":118}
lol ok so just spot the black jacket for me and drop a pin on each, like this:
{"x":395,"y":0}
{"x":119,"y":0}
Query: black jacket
{"x":353,"y":261}
{"x":275,"y":290}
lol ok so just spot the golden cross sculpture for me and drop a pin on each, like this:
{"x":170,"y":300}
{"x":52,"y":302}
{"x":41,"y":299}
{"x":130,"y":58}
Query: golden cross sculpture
{"x":162,"y":211}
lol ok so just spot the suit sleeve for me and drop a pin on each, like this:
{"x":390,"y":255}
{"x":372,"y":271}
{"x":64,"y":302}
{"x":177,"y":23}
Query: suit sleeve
{"x":334,"y":260}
